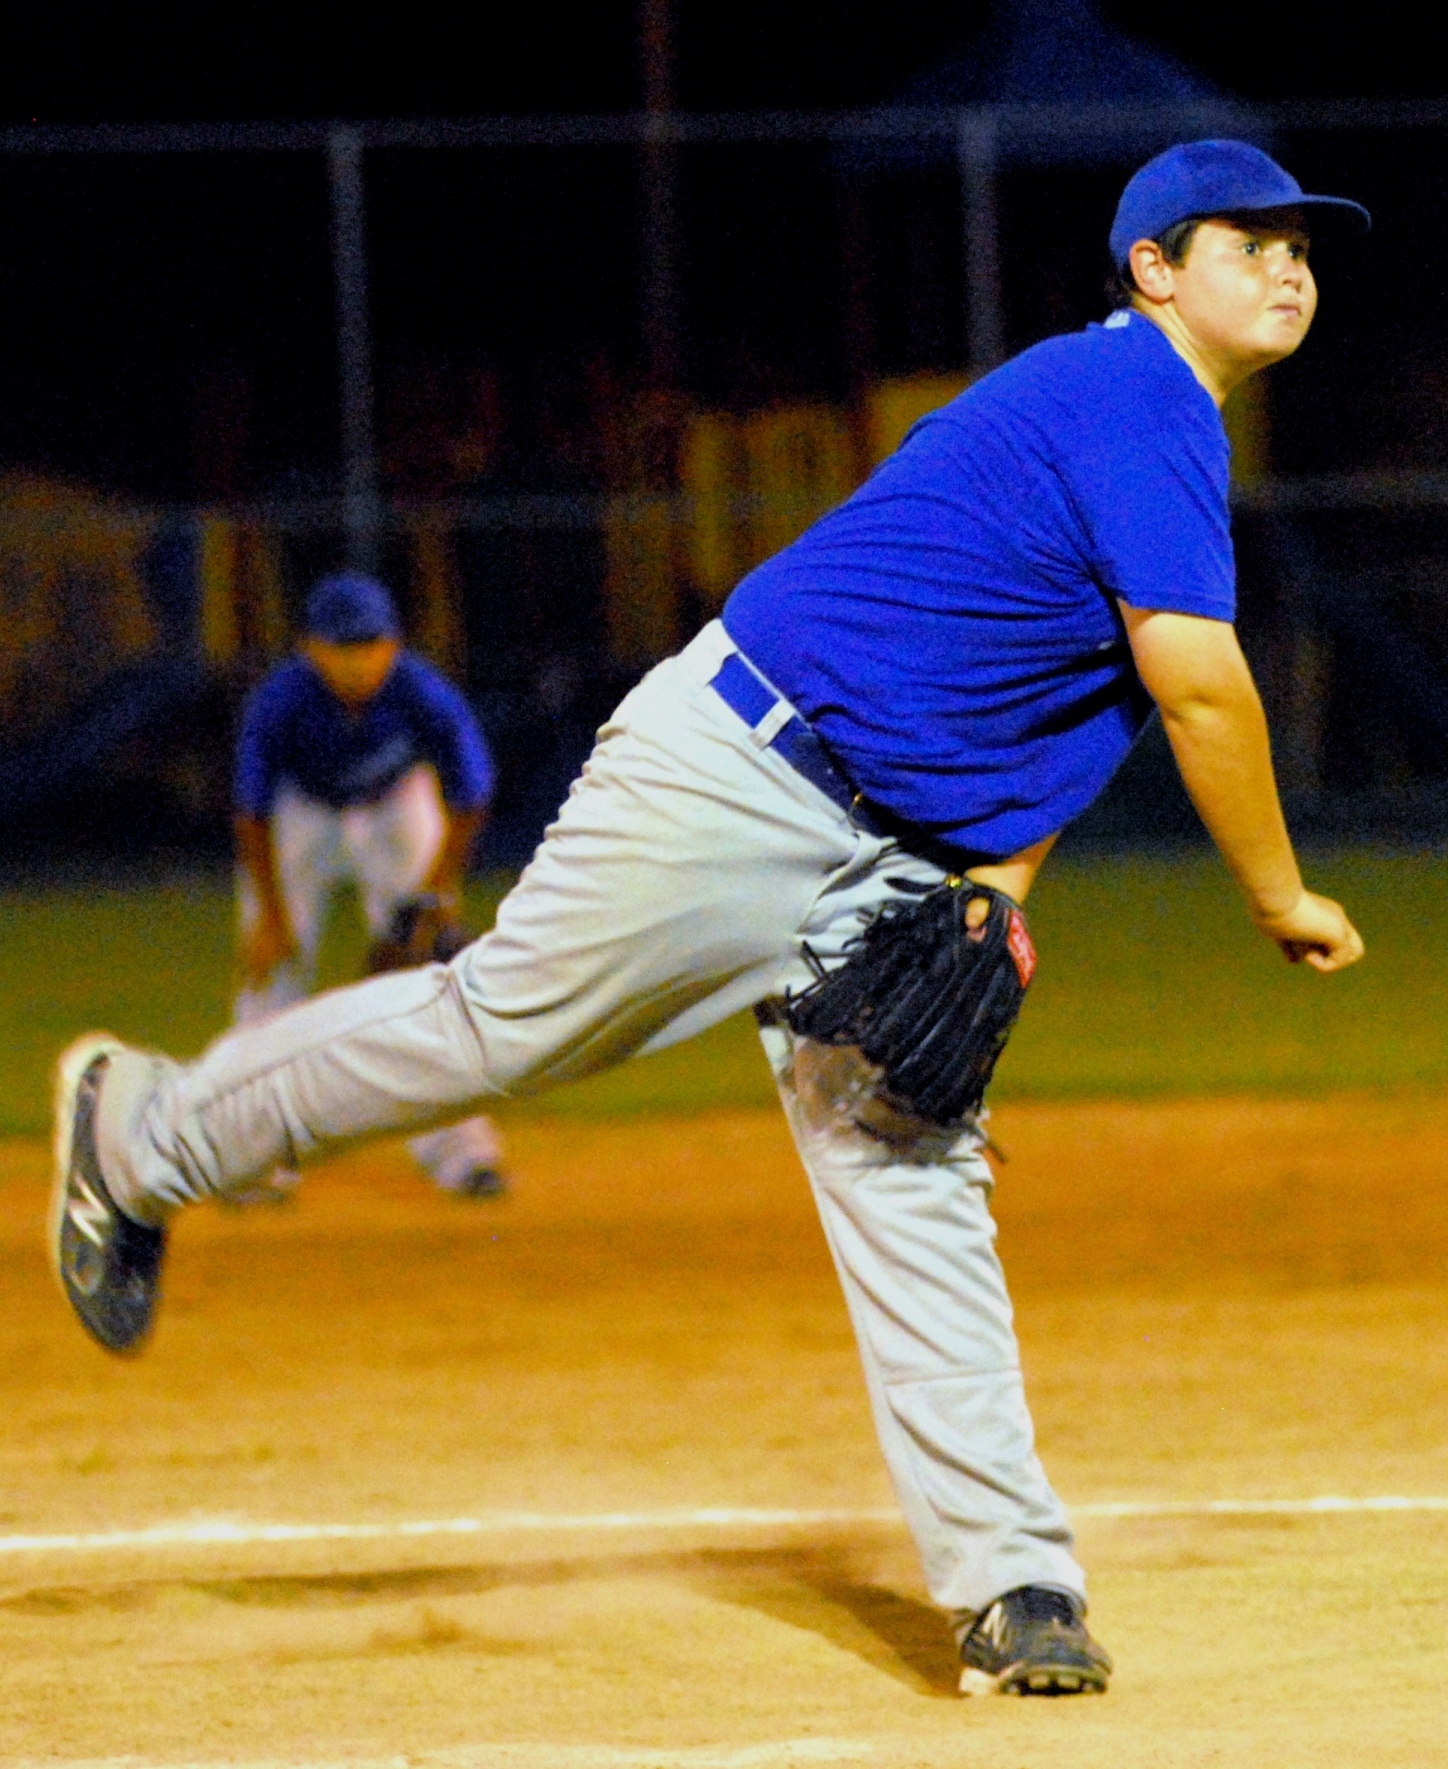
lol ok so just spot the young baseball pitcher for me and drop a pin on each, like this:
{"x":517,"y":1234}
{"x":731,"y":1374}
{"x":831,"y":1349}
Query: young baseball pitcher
{"x":357,"y":762}
{"x":829,"y":807}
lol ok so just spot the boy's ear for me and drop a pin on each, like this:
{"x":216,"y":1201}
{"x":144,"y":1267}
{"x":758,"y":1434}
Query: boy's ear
{"x":1153,"y":273}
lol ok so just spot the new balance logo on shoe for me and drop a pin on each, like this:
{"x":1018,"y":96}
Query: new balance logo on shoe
{"x":89,"y":1215}
{"x":994,"y":1625}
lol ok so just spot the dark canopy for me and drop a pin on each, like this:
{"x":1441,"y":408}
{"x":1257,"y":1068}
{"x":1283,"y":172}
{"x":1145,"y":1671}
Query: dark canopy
{"x":1047,"y":53}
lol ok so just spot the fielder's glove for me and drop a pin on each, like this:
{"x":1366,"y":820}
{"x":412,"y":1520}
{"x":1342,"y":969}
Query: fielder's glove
{"x":422,"y":931}
{"x":928,"y":1000}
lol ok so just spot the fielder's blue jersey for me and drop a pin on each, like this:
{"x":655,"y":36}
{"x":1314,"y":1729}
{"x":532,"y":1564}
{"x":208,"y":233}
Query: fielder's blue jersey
{"x":293,"y":728}
{"x":952,"y":631}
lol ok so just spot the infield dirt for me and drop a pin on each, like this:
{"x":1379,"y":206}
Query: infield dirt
{"x":1217,"y":1300}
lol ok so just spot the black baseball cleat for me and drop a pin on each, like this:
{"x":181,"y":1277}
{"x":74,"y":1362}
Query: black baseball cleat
{"x":108,"y":1264}
{"x":1032,"y":1642}
{"x":482,"y":1182}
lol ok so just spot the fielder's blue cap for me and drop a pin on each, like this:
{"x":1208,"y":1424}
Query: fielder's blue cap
{"x":349,"y":609}
{"x":1200,"y":178}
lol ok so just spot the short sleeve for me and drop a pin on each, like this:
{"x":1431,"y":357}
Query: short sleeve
{"x":1151,"y":487}
{"x":260,"y":747}
{"x":453,"y":740}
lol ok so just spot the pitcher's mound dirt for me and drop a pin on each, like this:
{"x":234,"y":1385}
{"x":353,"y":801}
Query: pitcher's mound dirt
{"x":1216,"y":1300}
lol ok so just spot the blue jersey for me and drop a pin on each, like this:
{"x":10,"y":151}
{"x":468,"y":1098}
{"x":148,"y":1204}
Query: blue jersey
{"x":295,"y":729}
{"x":952,"y":631}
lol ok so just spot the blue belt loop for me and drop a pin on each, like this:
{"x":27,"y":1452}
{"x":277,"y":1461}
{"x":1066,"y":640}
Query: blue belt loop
{"x":745,"y":692}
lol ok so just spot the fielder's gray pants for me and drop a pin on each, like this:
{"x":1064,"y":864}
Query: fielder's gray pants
{"x":685,"y":871}
{"x":386,"y":848}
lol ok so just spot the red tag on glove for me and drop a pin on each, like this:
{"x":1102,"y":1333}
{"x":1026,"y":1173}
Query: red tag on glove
{"x":1021,"y":949}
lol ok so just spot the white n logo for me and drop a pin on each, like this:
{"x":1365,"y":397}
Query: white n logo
{"x":89,"y":1215}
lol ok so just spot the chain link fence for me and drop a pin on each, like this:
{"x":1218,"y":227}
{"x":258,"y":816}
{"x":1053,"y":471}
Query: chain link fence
{"x":436,"y":347}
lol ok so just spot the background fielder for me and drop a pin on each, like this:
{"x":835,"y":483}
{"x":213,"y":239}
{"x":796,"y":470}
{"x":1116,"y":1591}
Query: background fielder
{"x":934,"y":679}
{"x":357,"y":763}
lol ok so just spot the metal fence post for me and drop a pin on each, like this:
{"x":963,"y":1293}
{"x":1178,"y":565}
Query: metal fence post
{"x":659,"y":196}
{"x":354,"y":344}
{"x":977,"y":150}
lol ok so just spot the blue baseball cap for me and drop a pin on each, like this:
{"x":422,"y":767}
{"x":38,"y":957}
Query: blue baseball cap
{"x":349,"y":609}
{"x":1200,"y":178}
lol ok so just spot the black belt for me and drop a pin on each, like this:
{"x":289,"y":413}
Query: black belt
{"x":751,"y":697}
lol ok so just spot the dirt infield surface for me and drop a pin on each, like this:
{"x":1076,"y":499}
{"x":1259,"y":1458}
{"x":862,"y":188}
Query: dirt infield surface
{"x":644,"y":1351}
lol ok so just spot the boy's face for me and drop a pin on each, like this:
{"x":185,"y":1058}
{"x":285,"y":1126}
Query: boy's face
{"x":1245,"y":292}
{"x":354,"y":673}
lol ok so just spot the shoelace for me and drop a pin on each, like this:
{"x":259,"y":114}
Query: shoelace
{"x":1037,"y":1605}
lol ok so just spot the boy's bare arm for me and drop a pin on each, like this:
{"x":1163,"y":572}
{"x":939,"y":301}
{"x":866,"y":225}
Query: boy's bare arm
{"x":1195,"y":671}
{"x":446,"y":875}
{"x":271,"y":939}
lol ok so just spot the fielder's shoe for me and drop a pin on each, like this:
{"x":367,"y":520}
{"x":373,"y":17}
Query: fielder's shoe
{"x":109,"y":1265}
{"x":480,"y":1182}
{"x":463,"y":1158}
{"x":1032,"y":1642}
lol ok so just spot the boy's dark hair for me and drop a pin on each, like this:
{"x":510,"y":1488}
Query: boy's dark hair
{"x":1175,"y":243}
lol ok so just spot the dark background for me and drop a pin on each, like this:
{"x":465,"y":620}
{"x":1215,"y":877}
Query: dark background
{"x":166,"y":322}
{"x":150,"y":64}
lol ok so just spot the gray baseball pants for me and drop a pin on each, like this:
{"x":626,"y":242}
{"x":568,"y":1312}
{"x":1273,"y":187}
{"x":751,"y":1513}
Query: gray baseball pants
{"x":684,"y":873}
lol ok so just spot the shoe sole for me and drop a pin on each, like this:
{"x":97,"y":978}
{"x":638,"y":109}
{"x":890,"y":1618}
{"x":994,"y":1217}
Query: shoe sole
{"x":70,"y":1070}
{"x":1022,"y":1679}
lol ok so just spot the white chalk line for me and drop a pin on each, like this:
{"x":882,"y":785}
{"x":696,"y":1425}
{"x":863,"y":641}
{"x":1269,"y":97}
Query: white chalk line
{"x":780,"y":1755}
{"x":226,"y":1532}
{"x":1325,"y":1505}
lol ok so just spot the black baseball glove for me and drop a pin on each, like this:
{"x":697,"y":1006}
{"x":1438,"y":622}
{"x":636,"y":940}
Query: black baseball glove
{"x":422,"y":931}
{"x":927,"y":999}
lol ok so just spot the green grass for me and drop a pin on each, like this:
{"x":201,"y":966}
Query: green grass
{"x":1151,"y":982}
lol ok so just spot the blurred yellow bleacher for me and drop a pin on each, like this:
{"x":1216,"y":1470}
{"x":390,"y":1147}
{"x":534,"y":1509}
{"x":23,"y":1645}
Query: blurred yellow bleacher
{"x":73,"y":604}
{"x":704,"y":496}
